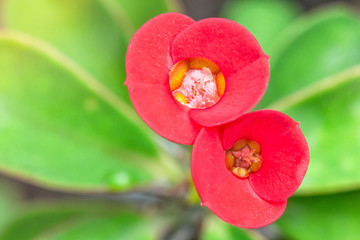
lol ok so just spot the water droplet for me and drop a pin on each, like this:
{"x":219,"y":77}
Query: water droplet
{"x":119,"y":181}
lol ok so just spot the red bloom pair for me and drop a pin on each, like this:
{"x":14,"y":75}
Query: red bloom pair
{"x":196,"y":80}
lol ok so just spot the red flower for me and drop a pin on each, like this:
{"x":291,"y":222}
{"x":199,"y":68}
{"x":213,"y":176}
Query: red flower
{"x":227,"y":60}
{"x":228,"y":184}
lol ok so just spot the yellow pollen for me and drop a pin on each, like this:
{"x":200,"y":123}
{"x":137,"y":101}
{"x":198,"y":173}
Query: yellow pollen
{"x":177,"y":74}
{"x":243,"y":158}
{"x":220,"y":83}
{"x":196,"y":82}
{"x":200,"y":63}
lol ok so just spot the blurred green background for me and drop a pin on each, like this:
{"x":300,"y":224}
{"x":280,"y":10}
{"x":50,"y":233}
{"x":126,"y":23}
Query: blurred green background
{"x":76,"y":162}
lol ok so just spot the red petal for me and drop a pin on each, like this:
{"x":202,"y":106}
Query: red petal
{"x":225,"y":42}
{"x":284,"y":152}
{"x":235,"y":51}
{"x":163,"y":114}
{"x":230,"y":198}
{"x":148,"y":63}
{"x":242,"y":91}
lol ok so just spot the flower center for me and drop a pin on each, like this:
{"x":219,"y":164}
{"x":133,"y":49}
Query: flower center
{"x":196,"y":82}
{"x":243,"y":158}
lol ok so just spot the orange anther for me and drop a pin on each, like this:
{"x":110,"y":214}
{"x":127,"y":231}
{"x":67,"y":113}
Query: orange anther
{"x":241,"y":172}
{"x":181,"y":98}
{"x":229,"y":160}
{"x":200,"y":63}
{"x":243,"y":158}
{"x":254,"y":145}
{"x":177,"y":74}
{"x":220,"y":83}
{"x":198,"y":80}
{"x":255,"y":164}
{"x":238,"y":145}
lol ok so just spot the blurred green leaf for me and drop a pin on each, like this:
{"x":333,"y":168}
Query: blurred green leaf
{"x":263,"y":18}
{"x":140,"y":11}
{"x":315,"y":79}
{"x":9,"y":201}
{"x":83,"y":30}
{"x":330,"y":217}
{"x":80,"y":221}
{"x":214,"y":228}
{"x":63,"y":129}
{"x":33,"y":222}
{"x":317,"y":46}
{"x":330,"y":121}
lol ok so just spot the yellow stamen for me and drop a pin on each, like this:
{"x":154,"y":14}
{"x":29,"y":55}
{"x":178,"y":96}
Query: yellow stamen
{"x":238,"y":145}
{"x":243,"y":158}
{"x":229,"y":160}
{"x":255,"y":164}
{"x":177,"y":74}
{"x":220,"y":83}
{"x":181,"y":98}
{"x":254,"y":145}
{"x":199,"y":81}
{"x":241,"y":172}
{"x":200,"y":63}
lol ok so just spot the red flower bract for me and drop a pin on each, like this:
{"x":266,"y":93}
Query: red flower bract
{"x":261,"y":198}
{"x":168,"y":38}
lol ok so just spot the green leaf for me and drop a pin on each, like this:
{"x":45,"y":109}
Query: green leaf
{"x":80,"y":221}
{"x":317,"y":46}
{"x":33,"y":222}
{"x":214,"y":229}
{"x":330,"y":119}
{"x":83,"y":30}
{"x":140,"y":11}
{"x":330,"y":217}
{"x":121,"y":226}
{"x":315,"y":80}
{"x":263,"y":18}
{"x":61,"y":128}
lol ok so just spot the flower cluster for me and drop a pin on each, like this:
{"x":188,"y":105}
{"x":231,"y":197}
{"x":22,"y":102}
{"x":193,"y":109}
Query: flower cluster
{"x":193,"y":83}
